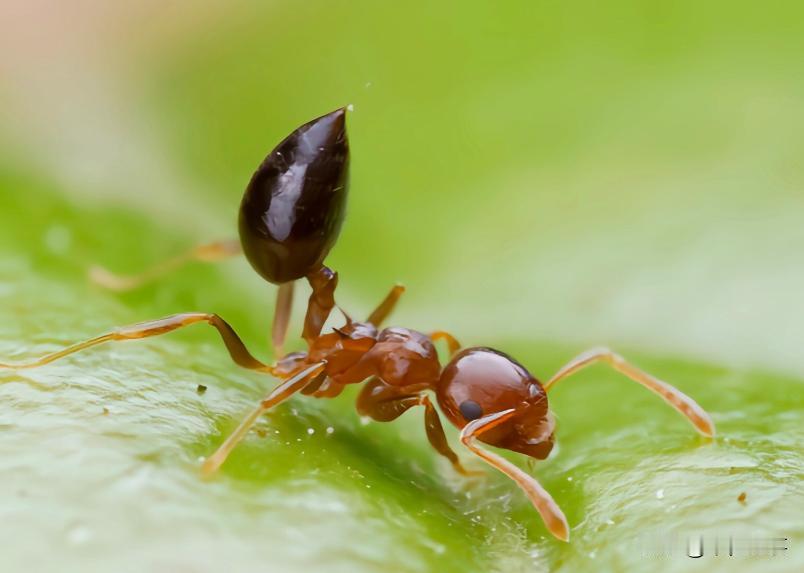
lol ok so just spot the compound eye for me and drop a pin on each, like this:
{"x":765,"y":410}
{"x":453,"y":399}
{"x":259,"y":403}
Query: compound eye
{"x":470,"y":410}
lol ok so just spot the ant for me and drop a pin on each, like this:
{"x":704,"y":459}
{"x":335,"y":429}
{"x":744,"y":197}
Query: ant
{"x":290,"y":218}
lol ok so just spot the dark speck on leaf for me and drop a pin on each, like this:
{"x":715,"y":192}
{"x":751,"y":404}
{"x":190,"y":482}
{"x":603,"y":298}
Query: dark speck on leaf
{"x":741,"y":497}
{"x":200,"y":389}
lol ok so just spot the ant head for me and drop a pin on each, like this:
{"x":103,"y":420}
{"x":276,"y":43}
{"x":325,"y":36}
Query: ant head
{"x":481,"y":381}
{"x":294,"y":206}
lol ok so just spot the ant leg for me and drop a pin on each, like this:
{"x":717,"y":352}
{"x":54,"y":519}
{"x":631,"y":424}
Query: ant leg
{"x":329,"y":388}
{"x":282,"y":310}
{"x":688,"y":407}
{"x":551,"y":514}
{"x":452,"y":343}
{"x":385,"y":403}
{"x":386,"y":307}
{"x":437,"y":437}
{"x":237,"y":350}
{"x":208,"y":253}
{"x":322,"y":300}
{"x":282,"y":392}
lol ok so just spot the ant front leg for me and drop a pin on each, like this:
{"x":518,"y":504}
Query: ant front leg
{"x":543,"y":502}
{"x":207,"y":253}
{"x":237,"y":350}
{"x":685,"y":405}
{"x":385,"y":403}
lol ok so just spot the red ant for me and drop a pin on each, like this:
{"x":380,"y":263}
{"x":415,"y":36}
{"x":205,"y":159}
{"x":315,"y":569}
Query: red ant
{"x":290,"y":217}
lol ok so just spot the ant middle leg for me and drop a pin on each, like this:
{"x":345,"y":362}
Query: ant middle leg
{"x":207,"y":253}
{"x":237,"y":350}
{"x":385,"y":403}
{"x":386,"y":307}
{"x":685,"y":405}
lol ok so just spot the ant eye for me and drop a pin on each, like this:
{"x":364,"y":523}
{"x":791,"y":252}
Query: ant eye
{"x":470,"y":410}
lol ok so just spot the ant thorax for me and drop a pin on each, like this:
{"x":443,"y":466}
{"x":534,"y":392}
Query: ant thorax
{"x":355,"y":352}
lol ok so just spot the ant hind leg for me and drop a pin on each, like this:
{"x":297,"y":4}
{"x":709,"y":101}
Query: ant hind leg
{"x":237,"y":350}
{"x":207,"y":253}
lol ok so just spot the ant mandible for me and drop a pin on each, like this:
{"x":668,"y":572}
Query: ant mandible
{"x":290,"y":217}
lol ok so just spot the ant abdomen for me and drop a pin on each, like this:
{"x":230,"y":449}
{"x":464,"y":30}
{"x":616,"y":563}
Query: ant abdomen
{"x":481,"y":381}
{"x":294,"y":205}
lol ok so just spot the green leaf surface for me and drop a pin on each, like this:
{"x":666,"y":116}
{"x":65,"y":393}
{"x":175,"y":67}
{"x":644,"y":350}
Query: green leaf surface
{"x":542,"y":181}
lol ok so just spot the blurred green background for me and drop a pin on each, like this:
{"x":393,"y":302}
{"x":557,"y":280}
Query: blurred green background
{"x":543,"y":176}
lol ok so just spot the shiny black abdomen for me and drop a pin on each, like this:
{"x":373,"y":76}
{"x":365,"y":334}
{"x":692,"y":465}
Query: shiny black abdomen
{"x":294,"y":206}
